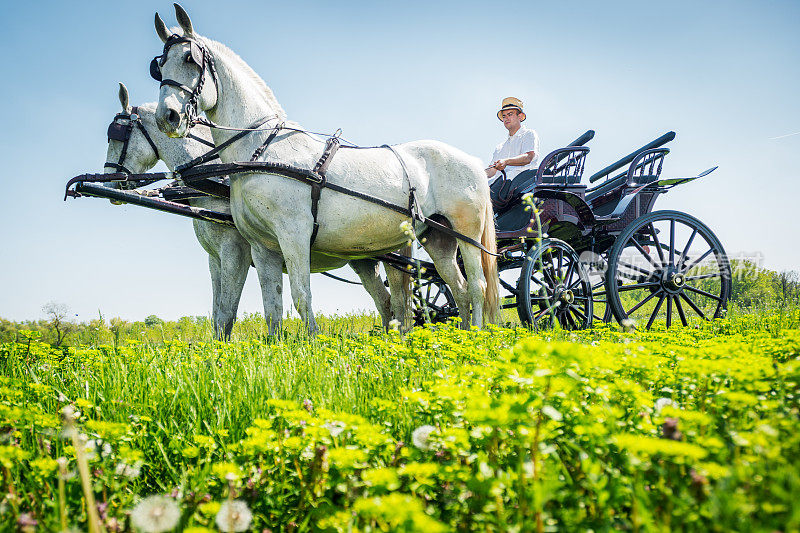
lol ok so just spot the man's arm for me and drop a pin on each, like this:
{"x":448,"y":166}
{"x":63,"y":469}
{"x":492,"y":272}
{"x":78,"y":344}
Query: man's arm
{"x":518,"y":161}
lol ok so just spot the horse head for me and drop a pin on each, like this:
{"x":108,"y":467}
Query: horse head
{"x":187,"y":75}
{"x":131,"y":148}
{"x":135,"y":144}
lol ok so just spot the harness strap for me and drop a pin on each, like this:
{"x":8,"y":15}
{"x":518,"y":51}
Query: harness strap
{"x":179,"y":85}
{"x":118,"y":167}
{"x":311,"y":178}
{"x":210,"y":144}
{"x":134,"y":112}
{"x":321,"y":169}
{"x":337,"y":278}
{"x":214,"y":152}
{"x":271,"y":137}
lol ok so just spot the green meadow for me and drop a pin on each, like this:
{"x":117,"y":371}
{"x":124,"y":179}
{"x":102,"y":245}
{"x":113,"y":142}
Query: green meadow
{"x":502,"y":429}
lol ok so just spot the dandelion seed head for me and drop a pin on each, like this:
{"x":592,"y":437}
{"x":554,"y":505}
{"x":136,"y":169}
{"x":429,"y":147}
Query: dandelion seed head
{"x":129,"y":471}
{"x":336,"y":429}
{"x":155,"y":514}
{"x":394,"y":324}
{"x":661,"y":403}
{"x":421,"y":437}
{"x":96,"y":446}
{"x":234,"y":515}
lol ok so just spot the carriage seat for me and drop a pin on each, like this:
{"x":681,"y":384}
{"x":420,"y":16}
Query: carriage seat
{"x":559,"y":168}
{"x":645,"y":168}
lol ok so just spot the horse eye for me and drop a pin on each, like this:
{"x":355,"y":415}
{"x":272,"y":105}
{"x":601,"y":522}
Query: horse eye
{"x":188,"y":58}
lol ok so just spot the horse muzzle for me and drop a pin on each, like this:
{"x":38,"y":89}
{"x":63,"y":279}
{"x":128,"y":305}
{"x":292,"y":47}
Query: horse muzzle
{"x":173,"y":122}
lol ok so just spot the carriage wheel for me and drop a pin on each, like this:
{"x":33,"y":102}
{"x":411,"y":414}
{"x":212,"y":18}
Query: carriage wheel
{"x":667,"y":264}
{"x":554,"y":286}
{"x":435,"y":294}
{"x":596,"y":268}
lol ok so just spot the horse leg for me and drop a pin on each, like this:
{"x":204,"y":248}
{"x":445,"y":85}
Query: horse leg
{"x":476,"y":282}
{"x":442,"y":249}
{"x":369,"y":273}
{"x":269,"y":265}
{"x":400,"y":291}
{"x":214,"y":268}
{"x":297,"y":255}
{"x":234,"y":257}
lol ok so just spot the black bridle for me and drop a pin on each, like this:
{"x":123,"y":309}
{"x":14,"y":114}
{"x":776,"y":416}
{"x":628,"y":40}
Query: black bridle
{"x":200,"y":56}
{"x":120,"y":130}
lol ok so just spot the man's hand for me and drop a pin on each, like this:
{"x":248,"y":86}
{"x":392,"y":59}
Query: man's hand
{"x":500,"y":164}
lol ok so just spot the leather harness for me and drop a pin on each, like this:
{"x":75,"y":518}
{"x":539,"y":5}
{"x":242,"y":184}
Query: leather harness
{"x":197,"y":177}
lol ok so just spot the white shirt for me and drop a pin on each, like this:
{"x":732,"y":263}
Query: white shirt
{"x":523,"y":141}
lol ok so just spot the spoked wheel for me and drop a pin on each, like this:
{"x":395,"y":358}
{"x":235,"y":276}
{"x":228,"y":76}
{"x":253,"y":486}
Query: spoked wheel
{"x":667,"y":264}
{"x":435,"y":294}
{"x":509,"y":270}
{"x":554,"y":286}
{"x":597,"y":267}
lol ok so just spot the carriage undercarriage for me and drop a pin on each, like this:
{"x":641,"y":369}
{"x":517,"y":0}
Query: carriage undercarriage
{"x":568,"y":254}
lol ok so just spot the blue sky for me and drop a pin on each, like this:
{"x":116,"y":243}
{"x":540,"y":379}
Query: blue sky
{"x":723,"y":75}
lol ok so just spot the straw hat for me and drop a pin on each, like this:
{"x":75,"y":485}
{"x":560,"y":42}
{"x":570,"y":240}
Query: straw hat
{"x":511,"y":103}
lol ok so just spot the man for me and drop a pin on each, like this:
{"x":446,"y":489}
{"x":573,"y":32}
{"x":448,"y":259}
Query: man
{"x":520,"y":151}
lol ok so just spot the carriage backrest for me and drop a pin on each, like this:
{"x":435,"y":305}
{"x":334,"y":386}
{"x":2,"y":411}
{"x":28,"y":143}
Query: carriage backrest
{"x":646,"y":167}
{"x":563,"y":166}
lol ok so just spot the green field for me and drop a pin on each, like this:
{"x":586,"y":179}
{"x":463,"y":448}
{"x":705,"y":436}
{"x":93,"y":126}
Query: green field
{"x":440,"y":430}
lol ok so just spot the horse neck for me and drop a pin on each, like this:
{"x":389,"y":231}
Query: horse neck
{"x":241,"y":102}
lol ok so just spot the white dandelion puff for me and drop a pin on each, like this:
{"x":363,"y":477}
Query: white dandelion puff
{"x":155,"y":514}
{"x":661,"y":403}
{"x":96,"y":446}
{"x":234,"y":515}
{"x":421,"y":437}
{"x":336,"y":429}
{"x":128,"y":470}
{"x":394,"y":324}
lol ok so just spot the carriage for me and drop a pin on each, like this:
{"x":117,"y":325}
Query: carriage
{"x":596,"y":252}
{"x":569,"y":253}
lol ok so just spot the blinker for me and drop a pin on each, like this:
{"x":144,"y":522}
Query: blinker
{"x":155,"y":68}
{"x":118,"y":132}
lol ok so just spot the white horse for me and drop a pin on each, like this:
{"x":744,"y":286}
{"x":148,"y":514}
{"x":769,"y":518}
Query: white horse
{"x":273,"y":212}
{"x":229,"y":254}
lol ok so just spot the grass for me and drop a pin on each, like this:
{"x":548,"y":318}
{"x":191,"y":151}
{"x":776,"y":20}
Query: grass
{"x":693,"y":428}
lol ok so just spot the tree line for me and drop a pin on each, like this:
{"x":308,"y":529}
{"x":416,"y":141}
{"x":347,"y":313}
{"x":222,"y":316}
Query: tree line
{"x":754,"y":289}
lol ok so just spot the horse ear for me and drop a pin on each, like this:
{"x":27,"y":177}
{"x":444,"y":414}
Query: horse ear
{"x":161,"y":29}
{"x":124,"y":98}
{"x":183,"y":20}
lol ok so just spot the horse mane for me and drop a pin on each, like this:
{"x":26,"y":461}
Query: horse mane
{"x":234,"y":58}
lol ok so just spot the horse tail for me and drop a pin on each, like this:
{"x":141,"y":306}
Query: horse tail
{"x":491,"y":297}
